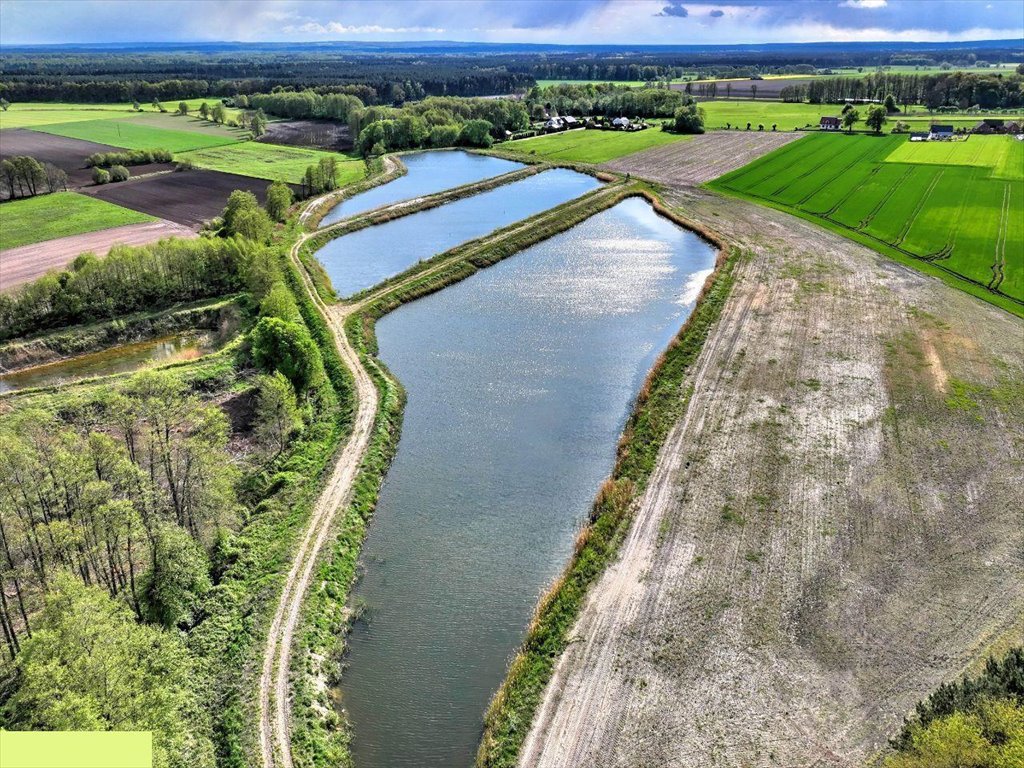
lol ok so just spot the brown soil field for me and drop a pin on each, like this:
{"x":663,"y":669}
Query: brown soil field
{"x":67,"y":154}
{"x":833,"y":529}
{"x":28,"y":262}
{"x":186,"y":197}
{"x":767,"y":90}
{"x":703,"y":158}
{"x":314,"y":134}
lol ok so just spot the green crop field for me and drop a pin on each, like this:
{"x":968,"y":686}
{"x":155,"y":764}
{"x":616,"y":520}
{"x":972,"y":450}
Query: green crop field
{"x":590,"y":146}
{"x":955,"y":208}
{"x":45,"y":217}
{"x":172,"y":122}
{"x":629,"y":83}
{"x":797,"y":115}
{"x":33,"y":115}
{"x":131,"y":134}
{"x":272,"y":161}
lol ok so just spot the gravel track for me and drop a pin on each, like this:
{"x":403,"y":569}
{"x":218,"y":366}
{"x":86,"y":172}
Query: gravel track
{"x":703,"y":158}
{"x":829,"y":532}
{"x":275,"y":715}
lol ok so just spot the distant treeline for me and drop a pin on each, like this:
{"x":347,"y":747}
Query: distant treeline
{"x":394,"y":78}
{"x":952,"y":89}
{"x":604,"y":99}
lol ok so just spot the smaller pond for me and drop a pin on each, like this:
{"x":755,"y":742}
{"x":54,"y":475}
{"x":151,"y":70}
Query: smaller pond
{"x":363,"y":258}
{"x":127,"y":357}
{"x":429,"y":172}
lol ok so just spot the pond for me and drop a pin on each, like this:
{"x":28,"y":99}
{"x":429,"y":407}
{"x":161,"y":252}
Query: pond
{"x":127,"y":357}
{"x":519,"y":382}
{"x":366,"y":257}
{"x":429,"y":172}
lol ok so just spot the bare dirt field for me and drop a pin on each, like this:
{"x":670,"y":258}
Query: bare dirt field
{"x":744,"y":89}
{"x":67,"y":154}
{"x":24,"y":264}
{"x":833,"y":529}
{"x":705,"y":157}
{"x":186,"y":197}
{"x":314,"y":134}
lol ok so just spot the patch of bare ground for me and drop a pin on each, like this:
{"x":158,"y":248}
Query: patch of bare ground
{"x":28,"y":262}
{"x":703,"y":158}
{"x":833,"y":529}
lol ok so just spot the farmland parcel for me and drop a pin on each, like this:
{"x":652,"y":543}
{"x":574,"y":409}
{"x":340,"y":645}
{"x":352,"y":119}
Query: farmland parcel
{"x":951,"y":208}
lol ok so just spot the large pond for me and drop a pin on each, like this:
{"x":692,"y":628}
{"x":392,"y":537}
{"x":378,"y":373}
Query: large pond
{"x":519,"y":382}
{"x":365,"y":257}
{"x":429,"y":172}
{"x":127,"y":357}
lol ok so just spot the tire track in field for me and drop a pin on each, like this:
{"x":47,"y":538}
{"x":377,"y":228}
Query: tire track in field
{"x":1004,"y":226}
{"x":917,"y":209}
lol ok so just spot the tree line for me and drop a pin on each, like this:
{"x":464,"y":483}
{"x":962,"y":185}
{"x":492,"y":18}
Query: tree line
{"x":960,"y":90}
{"x":128,"y":279}
{"x":24,"y":176}
{"x":605,"y":99}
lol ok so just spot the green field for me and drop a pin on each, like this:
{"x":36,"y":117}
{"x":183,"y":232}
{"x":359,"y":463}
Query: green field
{"x":790,"y":116}
{"x":272,"y":161}
{"x":954,"y":208}
{"x":132,"y":134}
{"x":58,"y":215}
{"x":590,"y":146}
{"x":32,"y":114}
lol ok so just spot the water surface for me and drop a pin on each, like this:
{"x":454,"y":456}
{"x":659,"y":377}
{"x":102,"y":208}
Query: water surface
{"x":127,"y":357}
{"x":363,"y":258}
{"x":519,"y":381}
{"x":429,"y":172}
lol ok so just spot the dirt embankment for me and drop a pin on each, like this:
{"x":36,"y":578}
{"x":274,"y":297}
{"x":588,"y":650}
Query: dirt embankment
{"x":833,"y":529}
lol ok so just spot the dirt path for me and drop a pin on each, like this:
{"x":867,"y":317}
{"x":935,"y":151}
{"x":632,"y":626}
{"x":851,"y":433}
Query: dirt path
{"x":275,"y":716}
{"x":830,"y":531}
{"x":29,"y":262}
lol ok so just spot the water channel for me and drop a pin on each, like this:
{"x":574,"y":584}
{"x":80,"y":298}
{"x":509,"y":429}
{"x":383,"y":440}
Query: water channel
{"x":366,"y":257}
{"x":519,"y":381}
{"x":127,"y":357}
{"x":429,"y":172}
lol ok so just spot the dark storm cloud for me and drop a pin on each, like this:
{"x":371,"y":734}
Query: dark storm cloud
{"x":715,"y":14}
{"x":674,"y":9}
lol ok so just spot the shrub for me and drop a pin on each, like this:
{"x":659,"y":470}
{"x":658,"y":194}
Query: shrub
{"x":100,"y":176}
{"x":119,"y":173}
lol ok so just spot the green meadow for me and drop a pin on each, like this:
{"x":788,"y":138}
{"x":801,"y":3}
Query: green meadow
{"x":132,"y":134}
{"x":45,"y":217}
{"x":954,"y":209}
{"x":272,"y":161}
{"x":789,"y":116}
{"x":591,"y":146}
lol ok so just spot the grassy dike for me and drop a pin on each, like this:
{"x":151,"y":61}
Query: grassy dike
{"x":659,"y":405}
{"x":319,"y":737}
{"x":377,"y":173}
{"x":391,"y":212}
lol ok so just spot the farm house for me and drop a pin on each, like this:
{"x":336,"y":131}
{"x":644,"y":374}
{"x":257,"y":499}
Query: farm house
{"x":829,"y":124}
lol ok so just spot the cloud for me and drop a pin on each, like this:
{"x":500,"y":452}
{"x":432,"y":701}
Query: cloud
{"x":337,"y":28}
{"x":716,"y":14}
{"x":866,"y":4}
{"x":674,"y":9}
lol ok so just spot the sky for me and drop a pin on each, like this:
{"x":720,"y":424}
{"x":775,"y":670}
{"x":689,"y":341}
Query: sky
{"x":523,"y":21}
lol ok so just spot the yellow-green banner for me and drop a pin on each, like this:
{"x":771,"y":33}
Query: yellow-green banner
{"x":75,"y":749}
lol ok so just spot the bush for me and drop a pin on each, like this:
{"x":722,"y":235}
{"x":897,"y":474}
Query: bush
{"x":279,"y":345}
{"x":129,"y":157}
{"x":100,"y":176}
{"x":119,"y":173}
